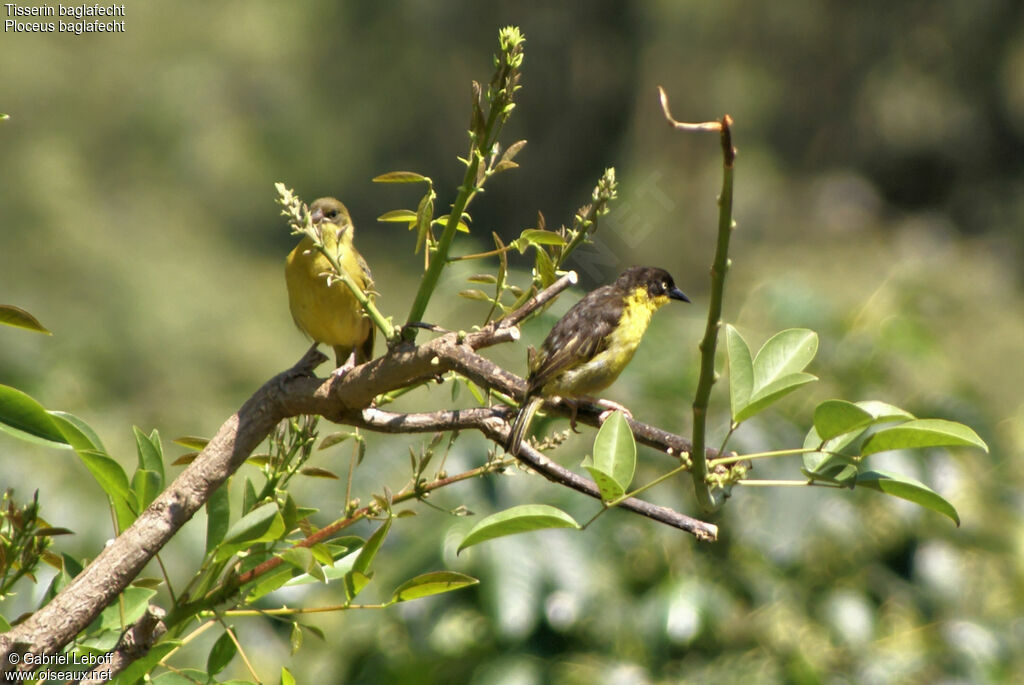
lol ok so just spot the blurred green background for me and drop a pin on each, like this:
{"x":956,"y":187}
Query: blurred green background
{"x":880,"y":201}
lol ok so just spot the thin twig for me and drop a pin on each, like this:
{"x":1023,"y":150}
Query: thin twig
{"x":719,"y":268}
{"x":493,"y":424}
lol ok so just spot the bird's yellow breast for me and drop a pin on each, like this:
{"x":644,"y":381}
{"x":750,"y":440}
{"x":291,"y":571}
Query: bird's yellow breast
{"x":598,"y":373}
{"x":328,"y":314}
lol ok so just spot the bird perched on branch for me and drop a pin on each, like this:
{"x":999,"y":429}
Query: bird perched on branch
{"x":325,"y":309}
{"x":590,"y":346}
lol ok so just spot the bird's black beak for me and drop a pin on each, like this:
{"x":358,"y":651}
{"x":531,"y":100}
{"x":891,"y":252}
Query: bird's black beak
{"x":677,"y":294}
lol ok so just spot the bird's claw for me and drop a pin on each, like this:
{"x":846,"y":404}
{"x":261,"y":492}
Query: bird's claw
{"x":349,"y":364}
{"x":575,"y":407}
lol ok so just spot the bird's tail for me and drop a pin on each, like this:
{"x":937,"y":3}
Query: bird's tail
{"x":522,"y":424}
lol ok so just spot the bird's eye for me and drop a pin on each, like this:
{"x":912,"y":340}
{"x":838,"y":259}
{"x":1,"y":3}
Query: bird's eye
{"x":331,"y":214}
{"x":664,"y":286}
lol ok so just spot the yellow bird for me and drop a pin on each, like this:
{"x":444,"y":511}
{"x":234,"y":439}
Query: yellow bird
{"x":590,"y":346}
{"x":331,"y":314}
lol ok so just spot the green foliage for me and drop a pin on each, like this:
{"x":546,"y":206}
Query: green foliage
{"x":523,"y":518}
{"x":24,"y":541}
{"x":776,"y":371}
{"x":614,"y":461}
{"x":221,"y":654}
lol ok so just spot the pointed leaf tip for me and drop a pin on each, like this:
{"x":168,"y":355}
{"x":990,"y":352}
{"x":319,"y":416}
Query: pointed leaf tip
{"x":909,"y":489}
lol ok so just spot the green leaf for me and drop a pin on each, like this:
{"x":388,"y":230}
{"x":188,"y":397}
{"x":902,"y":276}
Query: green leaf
{"x":610,"y":488}
{"x":146,"y":485}
{"x":143,"y":665}
{"x":424,"y":217}
{"x":263,"y":524}
{"x":248,"y":496}
{"x":817,"y":462}
{"x":148,"y":583}
{"x":839,"y":471}
{"x":286,"y":676}
{"x":190,"y":442}
{"x":536,"y":236}
{"x":485,"y":279}
{"x":372,"y":546}
{"x":922,"y":433}
{"x":355,"y":581}
{"x":835,"y":417}
{"x":401,"y":177}
{"x":77,"y":432}
{"x":270,"y":582}
{"x":335,"y":439}
{"x":130,"y":607}
{"x":785,"y":353}
{"x":218,"y":515}
{"x":431,"y":584}
{"x":113,"y":480}
{"x":443,"y":221}
{"x":821,"y":462}
{"x":513,"y":150}
{"x":344,"y":556}
{"x":474,"y":294}
{"x":151,"y":454}
{"x":883,"y":411}
{"x":741,"y":370}
{"x":322,"y":553}
{"x":221,"y":654}
{"x":108,"y":473}
{"x":774,"y":391}
{"x":399,"y":216}
{"x":615,"y":450}
{"x":184,"y":676}
{"x":302,"y":559}
{"x":545,"y":267}
{"x":23,"y":417}
{"x":19,"y":318}
{"x":255,"y":525}
{"x":521,"y":519}
{"x":317,"y":472}
{"x":909,"y":489}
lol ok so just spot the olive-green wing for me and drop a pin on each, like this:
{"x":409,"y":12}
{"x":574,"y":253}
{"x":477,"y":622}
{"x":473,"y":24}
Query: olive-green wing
{"x":578,"y":336}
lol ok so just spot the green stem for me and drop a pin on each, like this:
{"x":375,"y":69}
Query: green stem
{"x":467,"y":190}
{"x":440,"y":257}
{"x":379,"y":320}
{"x":481,"y":255}
{"x":286,"y":611}
{"x":787,"y":483}
{"x":761,"y":455}
{"x":709,"y":343}
{"x":482,"y":138}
